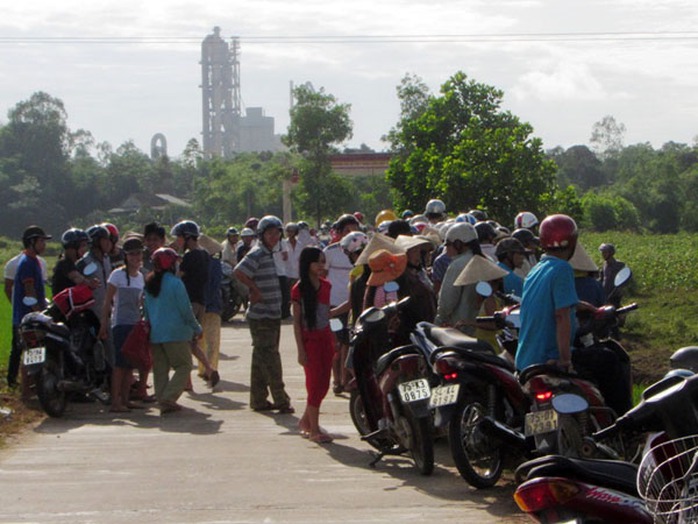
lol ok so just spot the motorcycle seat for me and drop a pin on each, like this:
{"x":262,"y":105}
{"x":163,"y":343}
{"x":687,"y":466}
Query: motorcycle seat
{"x":452,"y":337}
{"x":386,"y":359}
{"x":60,"y":329}
{"x":613,"y":474}
{"x":487,"y":357}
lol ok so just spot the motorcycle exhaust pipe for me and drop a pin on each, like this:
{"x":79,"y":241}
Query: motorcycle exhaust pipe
{"x":495,"y":429}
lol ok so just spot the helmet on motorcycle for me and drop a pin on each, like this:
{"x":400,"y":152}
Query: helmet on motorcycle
{"x":525,"y":219}
{"x":113,"y":231}
{"x":164,"y":259}
{"x":383,"y":216}
{"x":685,"y":358}
{"x":252,"y":223}
{"x":247,"y":232}
{"x":435,"y":207}
{"x":269,"y":221}
{"x":485,"y":232}
{"x":354,"y":242}
{"x":479,"y":214}
{"x":231,"y":232}
{"x":73,"y":237}
{"x":344,"y":221}
{"x":97,"y":232}
{"x":558,"y":232}
{"x":186,"y":229}
{"x":508,"y":246}
{"x":467,"y":218}
{"x":525,"y":236}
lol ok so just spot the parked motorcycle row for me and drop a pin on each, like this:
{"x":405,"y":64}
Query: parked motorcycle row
{"x":576,"y":460}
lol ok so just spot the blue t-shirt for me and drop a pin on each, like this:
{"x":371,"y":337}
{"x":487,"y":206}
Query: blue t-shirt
{"x":548,"y":287}
{"x":28,"y":272}
{"x":513,"y":283}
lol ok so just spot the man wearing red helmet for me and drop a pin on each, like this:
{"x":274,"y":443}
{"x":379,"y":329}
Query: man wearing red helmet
{"x":548,"y":321}
{"x":549,"y":298}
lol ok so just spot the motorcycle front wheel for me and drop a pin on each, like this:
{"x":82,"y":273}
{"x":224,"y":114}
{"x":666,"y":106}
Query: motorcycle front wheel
{"x":358,"y":417}
{"x":52,"y":400}
{"x":478,"y":462}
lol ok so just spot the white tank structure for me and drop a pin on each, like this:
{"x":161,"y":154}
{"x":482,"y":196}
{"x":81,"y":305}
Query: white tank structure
{"x":220,"y":88}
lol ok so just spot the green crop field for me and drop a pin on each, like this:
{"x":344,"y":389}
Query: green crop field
{"x":665,"y":285}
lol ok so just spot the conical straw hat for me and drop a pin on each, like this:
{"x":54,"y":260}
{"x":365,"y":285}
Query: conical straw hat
{"x":378,"y":241}
{"x":407,"y":242}
{"x":581,"y":261}
{"x":477,"y":269}
{"x":210,"y":245}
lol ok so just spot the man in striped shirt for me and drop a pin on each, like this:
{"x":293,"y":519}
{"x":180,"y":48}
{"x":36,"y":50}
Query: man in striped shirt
{"x":257,"y":271}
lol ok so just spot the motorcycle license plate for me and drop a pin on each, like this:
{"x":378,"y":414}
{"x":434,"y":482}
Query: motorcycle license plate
{"x":444,"y":395}
{"x":34,"y":356}
{"x":414,"y":390}
{"x":538,"y":422}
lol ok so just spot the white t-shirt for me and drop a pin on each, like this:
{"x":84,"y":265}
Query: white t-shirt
{"x":13,"y":263}
{"x":127,"y":300}
{"x":338,"y":268}
{"x":280,"y":257}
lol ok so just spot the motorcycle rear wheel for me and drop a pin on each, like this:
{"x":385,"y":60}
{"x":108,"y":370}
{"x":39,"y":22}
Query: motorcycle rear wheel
{"x":478,"y":463}
{"x":52,"y":400}
{"x":569,"y":437}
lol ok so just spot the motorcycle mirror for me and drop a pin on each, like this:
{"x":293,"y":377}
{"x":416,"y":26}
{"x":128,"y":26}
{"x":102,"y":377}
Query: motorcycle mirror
{"x":514,"y":318}
{"x":90,"y":269}
{"x":622,"y":276}
{"x":569,"y":404}
{"x":374,"y":316}
{"x":336,"y":325}
{"x":484,"y":289}
{"x":30,"y":301}
{"x":391,"y":287}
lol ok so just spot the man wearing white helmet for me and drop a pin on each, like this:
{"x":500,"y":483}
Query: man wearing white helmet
{"x":458,"y":304}
{"x":525,"y":220}
{"x":435,"y":211}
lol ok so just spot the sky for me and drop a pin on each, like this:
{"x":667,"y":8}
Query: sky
{"x":129,"y":69}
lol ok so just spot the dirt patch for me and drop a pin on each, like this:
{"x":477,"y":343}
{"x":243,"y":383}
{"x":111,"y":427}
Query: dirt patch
{"x":16,"y":415}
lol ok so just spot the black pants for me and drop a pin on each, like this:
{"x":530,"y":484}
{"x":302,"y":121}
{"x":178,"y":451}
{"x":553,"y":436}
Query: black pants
{"x":610,"y":370}
{"x":15,"y":356}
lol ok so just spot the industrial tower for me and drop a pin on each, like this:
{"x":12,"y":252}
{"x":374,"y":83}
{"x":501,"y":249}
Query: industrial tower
{"x":220,"y":88}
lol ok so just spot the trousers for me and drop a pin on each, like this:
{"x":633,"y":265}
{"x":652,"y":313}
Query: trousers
{"x":266,"y":375}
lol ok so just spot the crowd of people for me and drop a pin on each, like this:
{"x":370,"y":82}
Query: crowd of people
{"x":291,"y":271}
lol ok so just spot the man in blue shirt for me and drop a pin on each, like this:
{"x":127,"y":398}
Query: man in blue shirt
{"x":510,"y":254}
{"x":549,"y":299}
{"x":29,"y":283}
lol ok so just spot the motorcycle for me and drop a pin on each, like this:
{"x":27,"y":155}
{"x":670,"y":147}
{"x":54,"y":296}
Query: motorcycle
{"x":233,"y":299}
{"x":389,"y":402}
{"x":61,"y":352}
{"x":662,"y":489}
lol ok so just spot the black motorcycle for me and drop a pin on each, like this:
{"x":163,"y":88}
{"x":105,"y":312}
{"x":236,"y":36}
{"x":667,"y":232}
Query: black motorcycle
{"x":233,"y":300}
{"x":62,"y":354}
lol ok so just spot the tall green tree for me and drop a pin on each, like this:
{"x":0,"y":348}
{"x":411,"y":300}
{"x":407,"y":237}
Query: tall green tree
{"x":462,"y":147}
{"x":319,"y":123}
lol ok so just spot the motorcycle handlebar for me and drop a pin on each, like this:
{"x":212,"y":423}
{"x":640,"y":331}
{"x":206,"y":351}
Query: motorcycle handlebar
{"x":626,"y":309}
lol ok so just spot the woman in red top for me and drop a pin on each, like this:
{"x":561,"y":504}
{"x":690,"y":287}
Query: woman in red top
{"x":310,"y":298}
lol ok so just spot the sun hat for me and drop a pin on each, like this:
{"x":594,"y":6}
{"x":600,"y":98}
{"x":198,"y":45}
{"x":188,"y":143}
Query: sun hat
{"x":581,"y":261}
{"x":378,"y":241}
{"x":385,"y":266}
{"x":477,"y":269}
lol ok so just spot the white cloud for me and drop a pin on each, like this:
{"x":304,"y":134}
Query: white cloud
{"x":564,"y":81}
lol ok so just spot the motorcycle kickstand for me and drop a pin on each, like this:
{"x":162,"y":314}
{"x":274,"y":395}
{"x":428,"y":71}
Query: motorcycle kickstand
{"x":377,"y":457}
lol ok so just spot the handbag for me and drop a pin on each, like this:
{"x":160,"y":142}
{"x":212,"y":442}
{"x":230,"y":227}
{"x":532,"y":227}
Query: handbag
{"x":136,"y":348}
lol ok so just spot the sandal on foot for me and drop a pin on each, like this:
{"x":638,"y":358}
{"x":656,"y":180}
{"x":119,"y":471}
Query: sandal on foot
{"x":321,"y":438}
{"x":214,"y":379}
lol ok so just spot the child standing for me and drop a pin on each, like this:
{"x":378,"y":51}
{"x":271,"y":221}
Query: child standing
{"x":310,"y":298}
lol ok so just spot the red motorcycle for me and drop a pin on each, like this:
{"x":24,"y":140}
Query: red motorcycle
{"x":390,"y":392}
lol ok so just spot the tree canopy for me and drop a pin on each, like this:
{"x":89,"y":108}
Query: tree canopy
{"x":463,"y":148}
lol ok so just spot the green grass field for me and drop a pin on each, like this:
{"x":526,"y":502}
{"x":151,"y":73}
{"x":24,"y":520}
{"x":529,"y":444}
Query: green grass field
{"x":665,"y":285}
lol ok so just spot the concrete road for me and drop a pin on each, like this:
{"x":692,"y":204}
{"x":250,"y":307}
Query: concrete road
{"x":217,"y":461}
